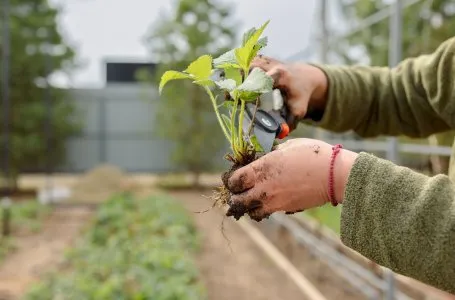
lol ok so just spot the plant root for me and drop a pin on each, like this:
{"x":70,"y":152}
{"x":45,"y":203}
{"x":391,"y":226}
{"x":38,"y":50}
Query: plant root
{"x":222,"y":195}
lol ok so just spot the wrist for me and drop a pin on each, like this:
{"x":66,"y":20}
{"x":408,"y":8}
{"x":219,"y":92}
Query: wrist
{"x":320,"y":85}
{"x":342,"y":169}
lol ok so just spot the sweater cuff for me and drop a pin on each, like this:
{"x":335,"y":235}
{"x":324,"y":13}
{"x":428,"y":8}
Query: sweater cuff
{"x":356,"y":208}
{"x":328,"y":117}
{"x":342,"y":110}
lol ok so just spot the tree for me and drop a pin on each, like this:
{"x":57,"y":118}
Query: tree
{"x":426,"y":24}
{"x":185,"y":115}
{"x":37,"y":51}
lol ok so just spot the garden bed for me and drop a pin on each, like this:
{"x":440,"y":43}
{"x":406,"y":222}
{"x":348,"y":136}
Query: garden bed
{"x":134,"y":249}
{"x":26,"y":218}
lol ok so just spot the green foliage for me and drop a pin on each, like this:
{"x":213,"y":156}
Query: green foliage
{"x":183,"y":116}
{"x":242,"y":84}
{"x":6,"y":246}
{"x":135,"y":249}
{"x":431,"y":24}
{"x":27,"y":216}
{"x":34,"y":28}
{"x":425,"y":27}
{"x":327,"y":215}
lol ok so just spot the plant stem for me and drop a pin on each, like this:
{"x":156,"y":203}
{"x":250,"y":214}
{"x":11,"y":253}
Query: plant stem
{"x":233,"y":132}
{"x":218,"y":116}
{"x":254,"y":116}
{"x":242,"y":111}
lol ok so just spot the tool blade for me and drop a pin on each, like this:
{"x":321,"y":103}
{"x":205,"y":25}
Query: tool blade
{"x":264,"y":138}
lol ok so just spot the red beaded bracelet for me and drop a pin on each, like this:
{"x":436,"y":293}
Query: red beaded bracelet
{"x":336,"y":149}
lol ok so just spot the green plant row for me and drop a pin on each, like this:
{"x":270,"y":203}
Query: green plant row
{"x":26,"y":217}
{"x":135,"y":249}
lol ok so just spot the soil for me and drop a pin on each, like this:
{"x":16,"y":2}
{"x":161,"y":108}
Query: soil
{"x":40,"y":253}
{"x":224,"y":193}
{"x":19,"y":194}
{"x":232,"y":266}
{"x":321,"y":275}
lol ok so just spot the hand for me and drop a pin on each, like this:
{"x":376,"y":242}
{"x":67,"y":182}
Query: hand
{"x":303,"y":85}
{"x":292,"y":178}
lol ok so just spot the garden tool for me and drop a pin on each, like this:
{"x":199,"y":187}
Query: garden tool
{"x":271,"y":120}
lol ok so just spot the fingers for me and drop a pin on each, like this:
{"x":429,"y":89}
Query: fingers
{"x":294,"y":212}
{"x":264,"y":62}
{"x":241,"y":180}
{"x":249,"y":202}
{"x":274,"y":68}
{"x":285,"y":144}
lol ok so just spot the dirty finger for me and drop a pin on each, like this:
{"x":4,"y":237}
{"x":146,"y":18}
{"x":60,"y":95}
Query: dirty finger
{"x":264,"y":62}
{"x":241,"y":204}
{"x":240,"y":180}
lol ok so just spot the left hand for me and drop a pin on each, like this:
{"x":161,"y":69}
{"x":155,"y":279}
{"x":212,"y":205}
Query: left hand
{"x":292,"y":178}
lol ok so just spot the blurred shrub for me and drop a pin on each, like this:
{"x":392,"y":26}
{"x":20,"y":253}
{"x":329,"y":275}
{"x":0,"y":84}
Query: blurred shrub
{"x":135,"y":249}
{"x":6,"y":246}
{"x":28,"y":216}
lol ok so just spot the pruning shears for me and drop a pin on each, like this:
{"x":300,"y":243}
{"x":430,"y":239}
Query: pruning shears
{"x":271,"y":119}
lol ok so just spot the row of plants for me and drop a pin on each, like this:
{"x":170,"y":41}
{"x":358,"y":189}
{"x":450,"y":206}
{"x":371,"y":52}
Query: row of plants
{"x":25,"y":217}
{"x":134,"y":249}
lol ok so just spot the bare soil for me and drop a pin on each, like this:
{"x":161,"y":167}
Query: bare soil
{"x":40,"y":253}
{"x":331,"y":285}
{"x":232,"y":266}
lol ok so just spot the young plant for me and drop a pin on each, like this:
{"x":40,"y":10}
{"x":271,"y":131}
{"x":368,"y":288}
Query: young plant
{"x":239,"y":85}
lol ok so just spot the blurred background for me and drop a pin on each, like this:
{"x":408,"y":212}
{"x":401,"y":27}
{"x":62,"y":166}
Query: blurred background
{"x":101,"y":177}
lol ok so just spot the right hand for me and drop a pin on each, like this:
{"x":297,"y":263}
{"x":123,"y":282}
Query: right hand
{"x":303,"y":85}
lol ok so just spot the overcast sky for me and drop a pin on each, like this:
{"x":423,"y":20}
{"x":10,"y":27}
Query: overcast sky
{"x":114,"y":28}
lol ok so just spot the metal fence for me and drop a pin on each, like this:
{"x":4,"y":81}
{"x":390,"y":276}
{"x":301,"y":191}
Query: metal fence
{"x":118,"y":129}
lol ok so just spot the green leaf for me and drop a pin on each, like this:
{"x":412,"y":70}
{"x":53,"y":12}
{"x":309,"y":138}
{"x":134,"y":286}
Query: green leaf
{"x":227,"y":123}
{"x":226,"y":60}
{"x":245,"y":54}
{"x":226,"y":84}
{"x":254,"y":141}
{"x":227,"y":104}
{"x":263,"y":42}
{"x":234,"y":74}
{"x":201,"y":68}
{"x":172,"y":75}
{"x":256,"y":84}
{"x":204,"y":82}
{"x":247,"y":35}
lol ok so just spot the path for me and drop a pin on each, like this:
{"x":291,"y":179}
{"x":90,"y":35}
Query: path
{"x":241,"y":273}
{"x":41,"y":252}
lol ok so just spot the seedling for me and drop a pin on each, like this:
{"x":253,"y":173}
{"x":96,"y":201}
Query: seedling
{"x":238,"y":85}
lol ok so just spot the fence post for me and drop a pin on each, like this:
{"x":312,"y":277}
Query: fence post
{"x":102,"y":130}
{"x":395,"y":52}
{"x":48,"y":124}
{"x":6,"y":216}
{"x":6,"y":94}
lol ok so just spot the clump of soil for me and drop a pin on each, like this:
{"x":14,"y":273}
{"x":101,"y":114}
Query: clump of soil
{"x":222,"y":196}
{"x":99,"y":183}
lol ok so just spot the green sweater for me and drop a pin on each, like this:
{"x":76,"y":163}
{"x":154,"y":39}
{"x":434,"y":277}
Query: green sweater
{"x":397,"y":217}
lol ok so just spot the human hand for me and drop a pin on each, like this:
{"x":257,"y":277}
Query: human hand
{"x":292,"y":178}
{"x":304,"y":86}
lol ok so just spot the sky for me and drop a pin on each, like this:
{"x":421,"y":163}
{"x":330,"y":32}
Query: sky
{"x":115,"y":28}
